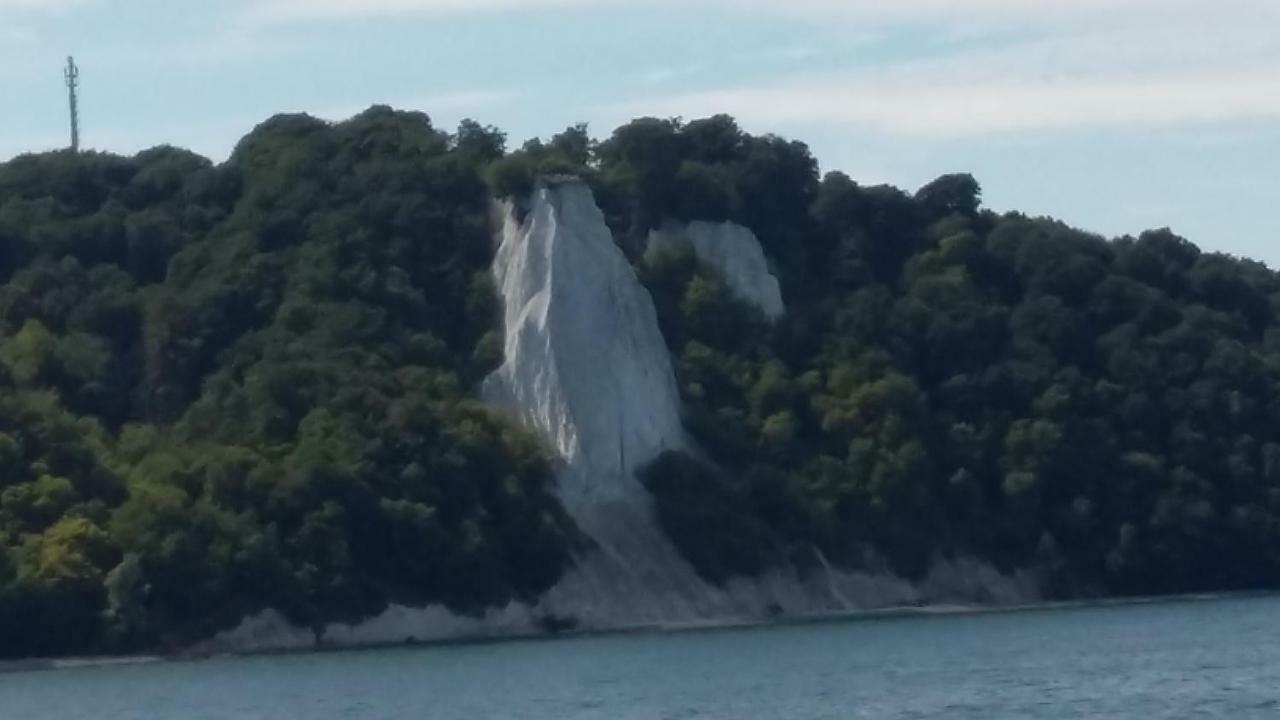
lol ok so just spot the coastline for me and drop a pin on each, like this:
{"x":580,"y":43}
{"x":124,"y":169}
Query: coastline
{"x":8,"y":667}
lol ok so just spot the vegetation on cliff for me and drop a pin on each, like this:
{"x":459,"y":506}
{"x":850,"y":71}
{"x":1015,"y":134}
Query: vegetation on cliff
{"x":226,"y":388}
{"x":949,"y":380}
{"x":248,"y":385}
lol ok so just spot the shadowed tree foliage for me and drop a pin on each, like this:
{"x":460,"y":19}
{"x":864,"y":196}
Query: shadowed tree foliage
{"x":950,"y":381}
{"x":246,"y":385}
{"x":227,"y":388}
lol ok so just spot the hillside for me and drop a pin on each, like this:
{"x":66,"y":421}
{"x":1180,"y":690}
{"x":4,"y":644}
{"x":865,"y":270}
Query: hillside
{"x":228,"y":388}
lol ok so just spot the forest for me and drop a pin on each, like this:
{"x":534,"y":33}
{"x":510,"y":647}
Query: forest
{"x":248,"y":385}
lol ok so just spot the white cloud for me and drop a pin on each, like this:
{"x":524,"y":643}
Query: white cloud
{"x":939,"y":110}
{"x":20,"y":22}
{"x":1175,"y":64}
{"x":940,"y":11}
{"x":273,"y":11}
{"x":24,"y":5}
{"x":17,"y":8}
{"x":1078,"y":63}
{"x":1038,"y":10}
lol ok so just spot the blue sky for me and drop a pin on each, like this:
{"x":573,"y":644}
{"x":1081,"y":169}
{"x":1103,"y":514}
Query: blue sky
{"x":1115,"y":115}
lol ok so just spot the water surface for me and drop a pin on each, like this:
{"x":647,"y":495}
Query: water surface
{"x":1180,"y":660}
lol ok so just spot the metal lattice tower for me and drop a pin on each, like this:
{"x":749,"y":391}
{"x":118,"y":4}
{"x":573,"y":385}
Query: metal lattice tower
{"x":72,"y":75}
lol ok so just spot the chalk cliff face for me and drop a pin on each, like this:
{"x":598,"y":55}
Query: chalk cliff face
{"x":733,"y":251}
{"x":586,"y":365}
{"x":588,"y":371}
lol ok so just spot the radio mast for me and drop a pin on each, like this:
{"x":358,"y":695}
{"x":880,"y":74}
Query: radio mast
{"x":72,"y":74}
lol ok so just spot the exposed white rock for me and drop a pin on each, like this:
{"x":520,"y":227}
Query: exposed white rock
{"x":970,"y":580}
{"x":588,"y":371}
{"x":434,"y":624}
{"x":267,"y":631}
{"x":733,"y":251}
{"x":586,"y":366}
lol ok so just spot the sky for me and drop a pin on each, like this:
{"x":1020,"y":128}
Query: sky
{"x":1113,"y":115}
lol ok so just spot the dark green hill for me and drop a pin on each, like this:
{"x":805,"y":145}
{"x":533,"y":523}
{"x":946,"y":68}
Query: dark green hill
{"x":227,"y":388}
{"x":248,"y":385}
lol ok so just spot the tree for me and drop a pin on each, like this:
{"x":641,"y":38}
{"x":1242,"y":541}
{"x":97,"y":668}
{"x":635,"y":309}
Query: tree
{"x":251,"y":385}
{"x":479,"y":143}
{"x":956,"y":194}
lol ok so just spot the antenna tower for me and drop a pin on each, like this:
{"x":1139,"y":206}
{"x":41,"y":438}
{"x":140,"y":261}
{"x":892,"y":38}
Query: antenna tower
{"x":72,"y":74}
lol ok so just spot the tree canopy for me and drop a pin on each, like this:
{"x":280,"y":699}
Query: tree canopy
{"x":228,"y":387}
{"x":952,"y":381}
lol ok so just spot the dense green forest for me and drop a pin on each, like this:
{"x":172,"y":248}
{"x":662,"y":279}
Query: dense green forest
{"x":247,"y":385}
{"x":948,"y":380}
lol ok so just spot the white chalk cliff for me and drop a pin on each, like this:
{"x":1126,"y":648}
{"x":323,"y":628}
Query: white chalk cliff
{"x":731,"y":250}
{"x":588,"y":371}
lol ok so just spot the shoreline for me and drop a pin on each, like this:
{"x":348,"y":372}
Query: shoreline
{"x":8,"y":667}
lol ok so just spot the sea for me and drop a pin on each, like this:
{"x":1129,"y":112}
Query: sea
{"x":1202,"y":659}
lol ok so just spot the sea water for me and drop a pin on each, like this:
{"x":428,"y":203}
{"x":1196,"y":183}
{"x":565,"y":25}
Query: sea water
{"x":1218,"y":659}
